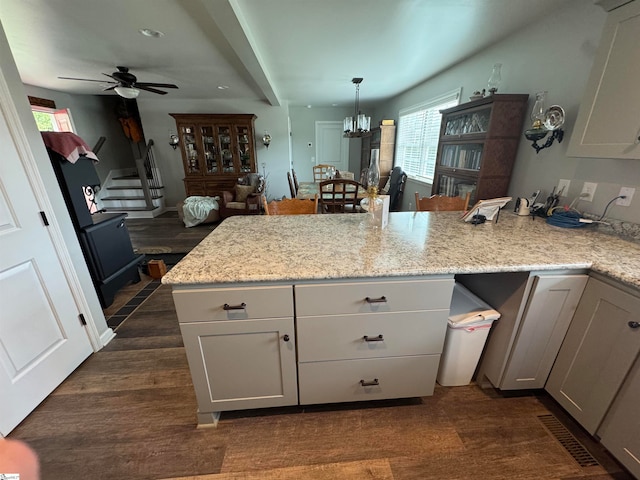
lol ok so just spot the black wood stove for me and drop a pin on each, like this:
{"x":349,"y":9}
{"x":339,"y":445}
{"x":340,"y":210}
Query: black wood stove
{"x":103,"y":236}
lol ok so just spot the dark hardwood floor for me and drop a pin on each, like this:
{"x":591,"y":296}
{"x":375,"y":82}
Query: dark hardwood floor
{"x":165,"y":234}
{"x":129,"y":411}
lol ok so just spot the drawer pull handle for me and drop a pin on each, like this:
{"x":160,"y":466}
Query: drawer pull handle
{"x":371,"y":383}
{"x":242,"y":306}
{"x":634,"y":324}
{"x":285,"y":337}
{"x":379,"y":338}
{"x":382,"y":299}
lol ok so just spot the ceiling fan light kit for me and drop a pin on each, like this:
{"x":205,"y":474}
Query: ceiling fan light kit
{"x":359,"y":124}
{"x":127,"y":92}
{"x":126,"y":84}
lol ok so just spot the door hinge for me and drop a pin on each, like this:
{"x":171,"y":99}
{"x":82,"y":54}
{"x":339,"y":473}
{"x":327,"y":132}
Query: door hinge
{"x":82,"y":320}
{"x":44,"y":219}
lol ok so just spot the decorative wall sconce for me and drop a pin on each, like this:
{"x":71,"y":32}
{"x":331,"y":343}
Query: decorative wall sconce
{"x":266,"y":139}
{"x":174,"y":141}
{"x":545,"y":121}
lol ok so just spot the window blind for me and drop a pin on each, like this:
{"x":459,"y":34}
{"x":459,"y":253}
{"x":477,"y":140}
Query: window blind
{"x":417,"y":137}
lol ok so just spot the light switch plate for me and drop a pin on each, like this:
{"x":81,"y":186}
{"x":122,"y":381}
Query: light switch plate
{"x":628,"y":193}
{"x":589,"y":189}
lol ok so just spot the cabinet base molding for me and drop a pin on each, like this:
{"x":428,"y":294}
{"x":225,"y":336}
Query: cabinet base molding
{"x":208,"y":420}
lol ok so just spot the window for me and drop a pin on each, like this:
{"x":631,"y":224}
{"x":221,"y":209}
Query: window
{"x":418,"y":132}
{"x":51,"y":120}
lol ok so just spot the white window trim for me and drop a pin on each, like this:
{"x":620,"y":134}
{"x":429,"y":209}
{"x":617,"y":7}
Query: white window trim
{"x":53,"y":111}
{"x":447,"y":96}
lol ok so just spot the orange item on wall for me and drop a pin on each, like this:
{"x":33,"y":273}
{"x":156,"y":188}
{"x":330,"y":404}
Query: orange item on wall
{"x":131,"y":129}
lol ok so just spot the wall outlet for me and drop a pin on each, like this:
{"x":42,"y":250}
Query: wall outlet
{"x":628,"y":193}
{"x":563,"y":186}
{"x":588,"y":189}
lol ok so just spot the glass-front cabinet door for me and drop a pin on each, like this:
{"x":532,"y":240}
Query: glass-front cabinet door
{"x":224,"y":139}
{"x":244,"y":148}
{"x":466,"y":156}
{"x":468,"y":123}
{"x":188,"y":140}
{"x":456,"y":186}
{"x":211,"y":153}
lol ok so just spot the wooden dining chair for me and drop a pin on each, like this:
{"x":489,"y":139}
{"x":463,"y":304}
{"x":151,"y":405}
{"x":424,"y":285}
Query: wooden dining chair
{"x":320,"y":172}
{"x":291,"y":206}
{"x":440,"y":203}
{"x":295,"y":180}
{"x":292,"y":187}
{"x":340,"y":195}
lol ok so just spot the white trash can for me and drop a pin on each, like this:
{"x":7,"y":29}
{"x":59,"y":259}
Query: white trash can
{"x":470,"y":320}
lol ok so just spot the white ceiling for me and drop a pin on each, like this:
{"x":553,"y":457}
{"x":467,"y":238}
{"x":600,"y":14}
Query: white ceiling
{"x":303,"y":52}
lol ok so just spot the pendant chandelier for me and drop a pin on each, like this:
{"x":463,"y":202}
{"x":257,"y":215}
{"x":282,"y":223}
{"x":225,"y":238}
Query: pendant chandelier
{"x":359,"y":124}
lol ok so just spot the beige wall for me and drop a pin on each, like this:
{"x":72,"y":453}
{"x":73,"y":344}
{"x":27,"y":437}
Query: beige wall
{"x":556,"y":55}
{"x":303,"y":131}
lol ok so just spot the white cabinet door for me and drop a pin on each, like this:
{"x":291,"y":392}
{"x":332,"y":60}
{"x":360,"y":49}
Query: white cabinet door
{"x":598,"y":351}
{"x":551,"y":305}
{"x":620,"y":431}
{"x":608,"y":123}
{"x":242,"y":364}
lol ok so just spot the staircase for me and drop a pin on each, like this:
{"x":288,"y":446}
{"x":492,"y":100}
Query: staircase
{"x":138,"y":192}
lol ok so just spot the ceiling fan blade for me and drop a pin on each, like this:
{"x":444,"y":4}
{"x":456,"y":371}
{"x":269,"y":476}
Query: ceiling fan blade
{"x":162,"y":85}
{"x":86,"y":79}
{"x":111,"y":76}
{"x":110,"y":88}
{"x":149,"y":89}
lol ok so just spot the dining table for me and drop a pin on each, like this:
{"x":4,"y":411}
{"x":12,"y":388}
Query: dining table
{"x":307,"y":190}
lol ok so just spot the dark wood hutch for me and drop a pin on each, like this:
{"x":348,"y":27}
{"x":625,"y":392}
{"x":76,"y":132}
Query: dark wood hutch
{"x":216,"y":149}
{"x":478,"y":145}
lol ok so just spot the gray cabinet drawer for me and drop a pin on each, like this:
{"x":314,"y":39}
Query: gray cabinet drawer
{"x":342,"y":336}
{"x":340,"y":381}
{"x":399,"y":296}
{"x":208,"y":304}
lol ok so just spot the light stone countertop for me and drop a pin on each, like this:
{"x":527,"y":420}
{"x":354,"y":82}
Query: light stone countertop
{"x":247,"y":249}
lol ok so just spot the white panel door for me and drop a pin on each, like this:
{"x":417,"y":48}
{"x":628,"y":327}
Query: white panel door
{"x":41,"y":338}
{"x":331,"y":146}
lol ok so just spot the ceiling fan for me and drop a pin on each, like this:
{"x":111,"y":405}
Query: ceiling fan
{"x":126,"y":84}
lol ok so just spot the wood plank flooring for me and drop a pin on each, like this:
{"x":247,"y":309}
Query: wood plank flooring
{"x":129,"y":411}
{"x":165,"y":234}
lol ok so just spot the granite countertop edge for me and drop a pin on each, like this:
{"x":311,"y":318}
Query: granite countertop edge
{"x":290,"y":249}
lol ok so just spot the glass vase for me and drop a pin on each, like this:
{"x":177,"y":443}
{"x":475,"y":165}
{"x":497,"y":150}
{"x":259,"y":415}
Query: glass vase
{"x":373,"y":174}
{"x":494,"y":80}
{"x":538,"y":110}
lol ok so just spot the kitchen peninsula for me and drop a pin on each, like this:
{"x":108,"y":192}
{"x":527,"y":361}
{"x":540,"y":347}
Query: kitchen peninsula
{"x":286,"y":310}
